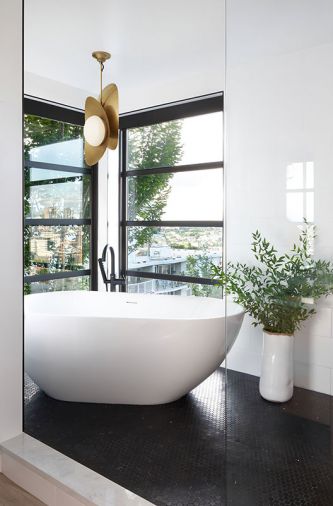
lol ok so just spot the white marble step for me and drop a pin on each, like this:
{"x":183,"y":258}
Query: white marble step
{"x":58,"y":480}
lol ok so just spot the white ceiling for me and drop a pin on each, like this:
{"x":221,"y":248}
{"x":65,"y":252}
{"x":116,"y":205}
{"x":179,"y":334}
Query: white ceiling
{"x":161,"y":50}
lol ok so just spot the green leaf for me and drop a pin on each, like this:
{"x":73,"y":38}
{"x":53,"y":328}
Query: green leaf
{"x":272,"y":294}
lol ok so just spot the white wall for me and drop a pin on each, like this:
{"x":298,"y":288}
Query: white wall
{"x":11,"y":211}
{"x":279,"y":111}
{"x":54,"y":91}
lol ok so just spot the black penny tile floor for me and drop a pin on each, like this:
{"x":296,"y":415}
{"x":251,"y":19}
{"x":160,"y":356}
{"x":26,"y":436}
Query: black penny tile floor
{"x":210,"y":448}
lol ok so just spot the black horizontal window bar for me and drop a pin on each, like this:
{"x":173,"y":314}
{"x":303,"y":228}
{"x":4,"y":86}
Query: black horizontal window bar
{"x":173,"y":111}
{"x":50,"y":222}
{"x":171,"y":277}
{"x":56,"y":275}
{"x":59,"y":266}
{"x":42,"y":182}
{"x":36,"y":107}
{"x":144,"y":223}
{"x":55,"y":166}
{"x":172,"y":169}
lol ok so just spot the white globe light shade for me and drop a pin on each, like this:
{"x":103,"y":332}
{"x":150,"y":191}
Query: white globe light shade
{"x":94,"y":131}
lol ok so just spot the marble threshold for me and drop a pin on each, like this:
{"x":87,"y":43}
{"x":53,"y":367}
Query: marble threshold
{"x":58,"y":480}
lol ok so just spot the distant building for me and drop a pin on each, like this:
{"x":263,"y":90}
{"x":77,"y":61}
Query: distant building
{"x":163,"y":260}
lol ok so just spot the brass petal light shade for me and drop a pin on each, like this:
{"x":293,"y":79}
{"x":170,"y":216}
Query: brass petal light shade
{"x":94,"y":153}
{"x":110,"y":104}
{"x":101,"y":118}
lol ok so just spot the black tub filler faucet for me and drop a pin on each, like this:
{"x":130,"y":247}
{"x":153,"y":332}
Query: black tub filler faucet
{"x":112,"y":281}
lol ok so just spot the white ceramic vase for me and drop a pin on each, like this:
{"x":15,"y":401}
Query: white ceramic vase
{"x":277,"y":367}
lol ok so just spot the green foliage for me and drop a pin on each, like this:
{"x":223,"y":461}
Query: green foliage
{"x":273,"y":290}
{"x":200,"y":266}
{"x":185,"y":245}
{"x":151,"y":146}
{"x":27,"y":289}
{"x":42,"y":131}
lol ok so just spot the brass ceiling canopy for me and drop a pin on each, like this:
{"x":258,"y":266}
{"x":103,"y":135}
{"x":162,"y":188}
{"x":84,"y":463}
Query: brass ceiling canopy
{"x":101,"y":56}
{"x":101,"y":118}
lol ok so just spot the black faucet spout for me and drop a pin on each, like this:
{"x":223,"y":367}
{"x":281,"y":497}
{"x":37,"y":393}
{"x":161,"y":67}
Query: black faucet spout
{"x":112,"y":281}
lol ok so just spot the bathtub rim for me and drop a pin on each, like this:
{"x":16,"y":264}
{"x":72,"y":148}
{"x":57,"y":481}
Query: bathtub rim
{"x":237,"y":310}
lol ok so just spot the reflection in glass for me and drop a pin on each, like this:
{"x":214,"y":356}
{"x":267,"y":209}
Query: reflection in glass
{"x":295,"y":207}
{"x":300,"y":192}
{"x":58,"y":285}
{"x":51,"y":141}
{"x":300,"y":176}
{"x":59,"y":194}
{"x":191,"y":140}
{"x":57,"y":248}
{"x":195,"y":195}
{"x":174,"y":250}
{"x":55,"y":194}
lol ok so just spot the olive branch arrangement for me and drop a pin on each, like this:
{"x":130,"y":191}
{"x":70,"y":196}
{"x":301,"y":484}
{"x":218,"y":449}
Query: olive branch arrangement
{"x":279,"y":291}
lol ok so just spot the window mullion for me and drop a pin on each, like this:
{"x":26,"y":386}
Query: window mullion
{"x":173,"y":169}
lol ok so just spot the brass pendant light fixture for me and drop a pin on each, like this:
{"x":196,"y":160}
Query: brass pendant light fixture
{"x":101,"y":118}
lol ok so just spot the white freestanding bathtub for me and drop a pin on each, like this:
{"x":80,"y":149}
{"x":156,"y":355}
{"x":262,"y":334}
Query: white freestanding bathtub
{"x":125,"y":348}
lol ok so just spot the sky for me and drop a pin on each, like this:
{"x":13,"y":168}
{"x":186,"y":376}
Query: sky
{"x":198,"y":195}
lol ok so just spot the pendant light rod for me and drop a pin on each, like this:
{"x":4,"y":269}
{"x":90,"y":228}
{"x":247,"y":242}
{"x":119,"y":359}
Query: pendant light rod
{"x":101,"y":79}
{"x":101,"y":57}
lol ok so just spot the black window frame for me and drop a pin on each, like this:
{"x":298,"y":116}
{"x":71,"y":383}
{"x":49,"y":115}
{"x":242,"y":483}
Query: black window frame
{"x":168,"y":112}
{"x":75,"y":117}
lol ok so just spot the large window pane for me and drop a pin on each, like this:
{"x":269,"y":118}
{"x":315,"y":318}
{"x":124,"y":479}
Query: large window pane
{"x":185,"y":251}
{"x":56,"y":194}
{"x":50,"y":141}
{"x":58,"y":285}
{"x":166,"y":287}
{"x":193,"y":195}
{"x":56,"y":191}
{"x":56,"y":248}
{"x":181,"y":196}
{"x":181,"y":142}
